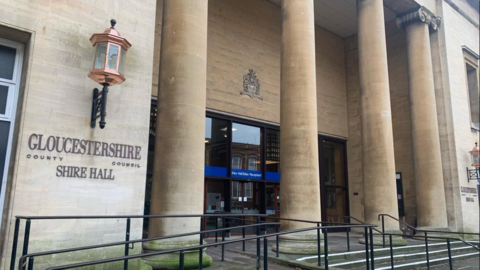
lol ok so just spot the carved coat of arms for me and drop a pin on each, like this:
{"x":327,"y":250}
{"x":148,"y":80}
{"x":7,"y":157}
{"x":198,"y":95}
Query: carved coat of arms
{"x":251,"y":85}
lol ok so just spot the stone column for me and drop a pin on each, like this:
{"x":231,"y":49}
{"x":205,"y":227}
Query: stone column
{"x":380,"y":196}
{"x":430,"y":192}
{"x":178,"y":176}
{"x":300,"y":187}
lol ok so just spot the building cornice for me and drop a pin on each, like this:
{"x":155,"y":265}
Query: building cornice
{"x":421,"y":15}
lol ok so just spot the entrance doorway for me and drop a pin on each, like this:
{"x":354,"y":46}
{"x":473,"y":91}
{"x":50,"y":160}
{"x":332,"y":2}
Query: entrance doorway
{"x":216,"y":201}
{"x":272,"y":204}
{"x":245,"y":199}
{"x":334,"y":181}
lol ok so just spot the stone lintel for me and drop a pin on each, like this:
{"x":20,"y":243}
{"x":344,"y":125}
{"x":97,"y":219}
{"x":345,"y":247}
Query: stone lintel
{"x":422,"y":15}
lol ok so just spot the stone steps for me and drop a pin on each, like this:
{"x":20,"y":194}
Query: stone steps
{"x":360,"y":254}
{"x":407,"y":257}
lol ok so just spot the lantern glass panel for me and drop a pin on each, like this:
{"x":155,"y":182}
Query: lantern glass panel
{"x":475,"y":158}
{"x":100,"y":56}
{"x":113,"y":52}
{"x":122,"y":59}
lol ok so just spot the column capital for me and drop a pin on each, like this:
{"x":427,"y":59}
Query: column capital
{"x":421,"y":15}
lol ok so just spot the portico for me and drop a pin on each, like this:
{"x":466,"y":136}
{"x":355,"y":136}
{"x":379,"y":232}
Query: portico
{"x":315,"y":110}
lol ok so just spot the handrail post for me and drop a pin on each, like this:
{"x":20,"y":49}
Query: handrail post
{"x":223,"y":238}
{"x":216,"y":228}
{"x":366,"y":249}
{"x":348,"y":239}
{"x":30,"y":263}
{"x":426,"y":250}
{"x":26,"y":239}
{"x":276,"y":239}
{"x":265,"y":254}
{"x":243,"y":235}
{"x":258,"y":243}
{"x":182,"y":258}
{"x":319,"y":252}
{"x":325,"y":244}
{"x":372,"y":254}
{"x":200,"y":250}
{"x":383,"y":230}
{"x":391,"y":251}
{"x":127,"y":238}
{"x":449,"y":254}
{"x":15,"y":242}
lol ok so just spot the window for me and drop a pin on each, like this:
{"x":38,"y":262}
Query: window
{"x":246,"y":144}
{"x":235,"y":189}
{"x":252,"y":163}
{"x":236,"y":163}
{"x":471,"y":69}
{"x":248,"y":190}
{"x":273,"y":155}
{"x":11,"y":54}
{"x":216,"y":139}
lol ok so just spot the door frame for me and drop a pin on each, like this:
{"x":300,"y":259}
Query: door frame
{"x":15,"y":84}
{"x":323,"y":187}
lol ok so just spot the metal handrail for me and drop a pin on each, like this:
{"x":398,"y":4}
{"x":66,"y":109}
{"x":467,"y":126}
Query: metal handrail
{"x":200,"y":247}
{"x":141,"y":216}
{"x":361,"y":222}
{"x":426,"y":238}
{"x":428,"y":231}
{"x":127,"y":234}
{"x":44,"y":253}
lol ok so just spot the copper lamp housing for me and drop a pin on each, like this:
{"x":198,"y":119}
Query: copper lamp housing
{"x":108,"y":56}
{"x":475,"y":156}
{"x":107,"y":69}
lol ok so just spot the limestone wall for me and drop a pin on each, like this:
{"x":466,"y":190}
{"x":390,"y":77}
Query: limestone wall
{"x":458,"y":32}
{"x":245,"y":35}
{"x":57,"y":102}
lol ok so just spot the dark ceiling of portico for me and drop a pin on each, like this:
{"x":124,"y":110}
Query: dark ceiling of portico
{"x":339,"y":16}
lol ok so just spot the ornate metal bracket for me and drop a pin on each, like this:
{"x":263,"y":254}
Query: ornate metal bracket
{"x":99,"y":106}
{"x":473,"y":174}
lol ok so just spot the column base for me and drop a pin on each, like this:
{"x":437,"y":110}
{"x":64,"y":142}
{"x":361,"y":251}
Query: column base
{"x":378,"y":240}
{"x":172,"y":260}
{"x":301,"y":245}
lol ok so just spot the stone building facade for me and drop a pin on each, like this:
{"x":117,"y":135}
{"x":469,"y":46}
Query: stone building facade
{"x":377,"y":103}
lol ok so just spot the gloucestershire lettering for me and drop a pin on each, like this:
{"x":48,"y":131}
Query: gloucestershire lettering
{"x":83,"y":147}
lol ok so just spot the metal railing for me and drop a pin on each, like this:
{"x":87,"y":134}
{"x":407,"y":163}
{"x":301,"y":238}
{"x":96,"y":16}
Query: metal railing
{"x":28,"y":259}
{"x":426,"y":238}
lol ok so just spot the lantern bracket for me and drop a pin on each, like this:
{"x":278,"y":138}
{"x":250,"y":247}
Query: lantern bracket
{"x":99,"y":106}
{"x":473,"y":174}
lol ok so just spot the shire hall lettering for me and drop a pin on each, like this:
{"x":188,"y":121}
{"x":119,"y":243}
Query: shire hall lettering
{"x":83,"y":147}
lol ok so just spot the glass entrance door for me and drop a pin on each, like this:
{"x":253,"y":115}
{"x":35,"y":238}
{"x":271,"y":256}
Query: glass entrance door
{"x":244,"y":200}
{"x":272,"y":204}
{"x":216,"y":202}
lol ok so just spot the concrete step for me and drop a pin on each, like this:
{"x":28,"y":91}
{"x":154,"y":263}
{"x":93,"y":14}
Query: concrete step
{"x":405,"y":258}
{"x":436,"y":260}
{"x":360,"y":254}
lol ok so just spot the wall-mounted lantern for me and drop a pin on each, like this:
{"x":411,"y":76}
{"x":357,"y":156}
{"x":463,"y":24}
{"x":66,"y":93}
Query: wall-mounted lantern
{"x":107,"y":68}
{"x":474,"y":174}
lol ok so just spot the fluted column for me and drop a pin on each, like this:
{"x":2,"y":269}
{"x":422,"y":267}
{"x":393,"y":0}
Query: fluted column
{"x":430,"y":192}
{"x":300,"y":190}
{"x":179,"y":142}
{"x":380,"y":195}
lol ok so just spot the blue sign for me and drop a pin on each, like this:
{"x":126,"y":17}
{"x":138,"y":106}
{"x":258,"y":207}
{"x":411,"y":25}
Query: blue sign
{"x":273,"y":176}
{"x":236,"y":173}
{"x":215,"y":171}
